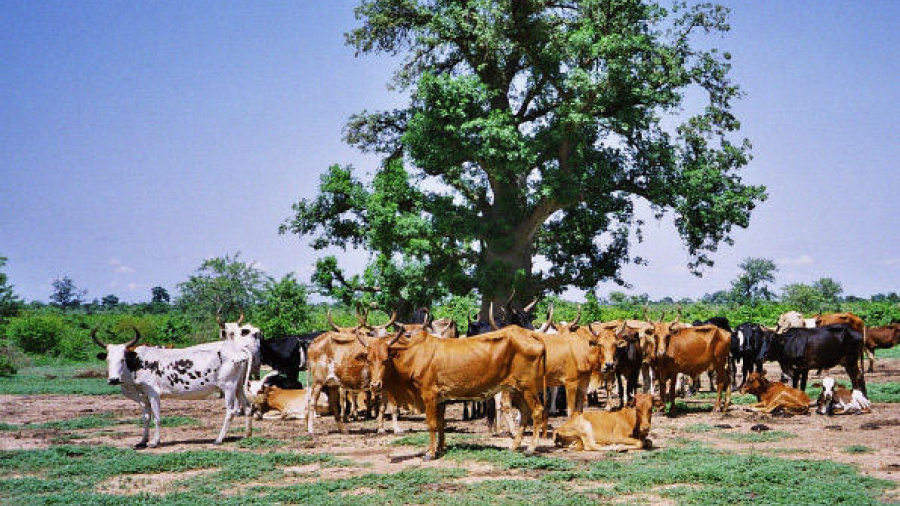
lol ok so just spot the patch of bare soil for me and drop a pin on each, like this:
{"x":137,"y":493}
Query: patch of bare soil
{"x":158,"y":483}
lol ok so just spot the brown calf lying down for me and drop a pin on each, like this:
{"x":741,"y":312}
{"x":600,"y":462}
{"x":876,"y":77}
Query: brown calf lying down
{"x":291,"y":404}
{"x":627,"y":428}
{"x":774,"y":396}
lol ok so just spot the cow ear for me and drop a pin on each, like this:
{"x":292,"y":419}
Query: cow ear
{"x":817,"y":384}
{"x":101,"y":355}
{"x":362,"y":356}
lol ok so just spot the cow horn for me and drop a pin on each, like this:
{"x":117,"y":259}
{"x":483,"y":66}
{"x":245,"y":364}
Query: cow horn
{"x":621,"y":331}
{"x":219,"y":320}
{"x":359,"y":338}
{"x":590,"y":327}
{"x":549,"y":323}
{"x":96,"y":340}
{"x":429,"y":319}
{"x":395,"y":339}
{"x":662,"y":317}
{"x":530,"y":307}
{"x":491,"y":317}
{"x":574,"y":324}
{"x":678,"y":319}
{"x":644,"y":315}
{"x":137,"y":337}
{"x":390,"y":322}
{"x":331,"y":322}
{"x":511,"y":296}
{"x":240,"y":319}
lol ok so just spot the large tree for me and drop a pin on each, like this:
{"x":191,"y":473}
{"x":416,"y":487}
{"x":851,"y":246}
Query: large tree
{"x":9,"y":302}
{"x":224,"y":287}
{"x":534,"y":127}
{"x":66,"y":294}
{"x":751,"y":285}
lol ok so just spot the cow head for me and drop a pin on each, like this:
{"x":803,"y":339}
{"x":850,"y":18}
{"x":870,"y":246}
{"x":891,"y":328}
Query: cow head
{"x":607,"y":343}
{"x":121,"y":359}
{"x":824,"y":404}
{"x":791,"y":319}
{"x":380,"y":352}
{"x":643,"y":407}
{"x":628,"y":345}
{"x":755,"y":383}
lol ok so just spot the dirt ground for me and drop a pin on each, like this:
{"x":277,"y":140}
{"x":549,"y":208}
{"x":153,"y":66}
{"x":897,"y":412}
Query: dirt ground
{"x":814,"y":436}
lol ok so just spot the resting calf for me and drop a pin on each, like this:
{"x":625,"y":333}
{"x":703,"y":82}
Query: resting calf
{"x":594,"y":430}
{"x":839,"y":400}
{"x":775,"y":395}
{"x":291,"y":404}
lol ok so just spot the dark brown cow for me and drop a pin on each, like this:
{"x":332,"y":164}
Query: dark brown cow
{"x":693,"y":351}
{"x":424,"y":371}
{"x":880,"y":338}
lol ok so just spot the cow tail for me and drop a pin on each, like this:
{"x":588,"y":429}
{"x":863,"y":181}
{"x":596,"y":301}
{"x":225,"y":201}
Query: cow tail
{"x":246,"y":384}
{"x":546,"y":414}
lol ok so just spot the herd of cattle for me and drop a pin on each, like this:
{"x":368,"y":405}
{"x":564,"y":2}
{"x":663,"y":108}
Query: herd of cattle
{"x":506,"y":368}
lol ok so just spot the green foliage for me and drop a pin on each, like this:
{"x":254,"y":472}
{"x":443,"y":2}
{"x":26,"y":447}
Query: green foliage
{"x":804,"y":298}
{"x":222,"y":286}
{"x":858,"y":449}
{"x":10,"y":304}
{"x":831,"y":291}
{"x":506,"y":459}
{"x":421,"y":439}
{"x":36,"y":334}
{"x":257,"y":442}
{"x":537,"y":128}
{"x":159,"y":295}
{"x":751,"y":284}
{"x":66,"y":294}
{"x":35,"y":380}
{"x":769,"y":436}
{"x":283,"y":309}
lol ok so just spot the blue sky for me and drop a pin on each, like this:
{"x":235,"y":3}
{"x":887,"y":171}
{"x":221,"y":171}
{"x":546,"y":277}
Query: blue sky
{"x":138,"y":138}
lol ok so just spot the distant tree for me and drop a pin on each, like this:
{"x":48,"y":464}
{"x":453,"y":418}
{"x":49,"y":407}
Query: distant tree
{"x":685,"y":301}
{"x":283,"y":308}
{"x":159,"y":295}
{"x":830,"y":289}
{"x":750,"y":286}
{"x":618,"y":298}
{"x":719,"y":297}
{"x":666,"y":300}
{"x":225,"y":286}
{"x":804,"y":298}
{"x":66,"y":294}
{"x":9,"y":302}
{"x":110,"y":301}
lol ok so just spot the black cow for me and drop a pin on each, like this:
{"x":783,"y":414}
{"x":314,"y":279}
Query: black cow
{"x":799,"y":350}
{"x":718,"y":321}
{"x":628,"y":360}
{"x":287,"y":355}
{"x":746,"y":344}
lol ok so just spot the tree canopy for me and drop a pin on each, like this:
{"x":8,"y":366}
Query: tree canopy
{"x":533,"y":129}
{"x":9,"y":302}
{"x":752,"y":284}
{"x":223,"y":287}
{"x":66,"y":294}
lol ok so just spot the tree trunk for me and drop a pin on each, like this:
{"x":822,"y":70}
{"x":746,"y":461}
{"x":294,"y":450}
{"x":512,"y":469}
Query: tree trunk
{"x":503,"y":263}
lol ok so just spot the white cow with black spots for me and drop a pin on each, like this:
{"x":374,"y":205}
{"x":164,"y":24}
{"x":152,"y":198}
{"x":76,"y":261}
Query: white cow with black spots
{"x":147,"y":374}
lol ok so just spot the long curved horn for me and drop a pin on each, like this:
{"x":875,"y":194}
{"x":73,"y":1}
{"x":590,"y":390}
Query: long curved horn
{"x":137,"y":337}
{"x":661,"y":317}
{"x":394,"y":340}
{"x":241,"y":319}
{"x":390,"y":322}
{"x":644,"y":316}
{"x":360,"y":319}
{"x":621,"y":331}
{"x":549,"y":323}
{"x":491,"y":317}
{"x":511,"y":297}
{"x":363,"y":343}
{"x":529,"y":307}
{"x":429,"y":319}
{"x":96,"y":340}
{"x":331,"y":322}
{"x":678,"y":319}
{"x":574,"y":324}
{"x":590,"y":327}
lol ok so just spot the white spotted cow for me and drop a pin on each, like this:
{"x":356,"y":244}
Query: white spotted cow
{"x":840,"y":400}
{"x":147,"y":374}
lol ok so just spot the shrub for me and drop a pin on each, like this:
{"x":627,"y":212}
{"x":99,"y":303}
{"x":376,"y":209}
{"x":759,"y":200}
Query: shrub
{"x":36,"y":334}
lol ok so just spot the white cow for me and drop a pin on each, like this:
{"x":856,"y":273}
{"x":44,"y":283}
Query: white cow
{"x":147,"y":374}
{"x":838,"y":399}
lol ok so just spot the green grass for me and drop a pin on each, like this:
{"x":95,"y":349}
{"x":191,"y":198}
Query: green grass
{"x":688,"y":474}
{"x":83,"y":422}
{"x":257,"y":442}
{"x":858,"y":449}
{"x":172,"y":421}
{"x":769,"y":436}
{"x":886,"y":353}
{"x":56,"y":378}
{"x":698,"y":428}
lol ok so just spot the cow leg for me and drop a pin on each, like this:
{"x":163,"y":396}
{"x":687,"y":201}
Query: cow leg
{"x":431,"y":419}
{"x":857,"y":379}
{"x":145,"y":417}
{"x":153,"y":397}
{"x":803,"y":376}
{"x":530,"y":407}
{"x":395,"y":419}
{"x":229,"y":414}
{"x":311,"y":400}
{"x":871,"y":355}
{"x":490,"y":414}
{"x":647,"y":379}
{"x":334,"y":401}
{"x":442,"y":425}
{"x":671,"y":383}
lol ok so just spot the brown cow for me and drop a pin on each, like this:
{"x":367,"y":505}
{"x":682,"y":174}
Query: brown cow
{"x":693,"y":351}
{"x":424,"y":371}
{"x":338,"y":360}
{"x":854,"y":322}
{"x":290,"y":404}
{"x":775,"y":395}
{"x":880,"y":338}
{"x":593,"y":430}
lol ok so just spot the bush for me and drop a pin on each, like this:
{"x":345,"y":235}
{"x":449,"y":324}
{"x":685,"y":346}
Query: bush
{"x":11,"y":358}
{"x":36,"y":334}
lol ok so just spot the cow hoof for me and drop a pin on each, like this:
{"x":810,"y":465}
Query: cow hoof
{"x":152,"y":445}
{"x":217,"y":442}
{"x":140,"y":446}
{"x":427,"y":458}
{"x":399,"y":432}
{"x":529,"y":451}
{"x":380,"y":431}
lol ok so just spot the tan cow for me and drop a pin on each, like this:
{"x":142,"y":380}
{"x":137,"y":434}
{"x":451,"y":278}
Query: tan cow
{"x":880,"y":338}
{"x":290,"y":404}
{"x":693,"y":351}
{"x":424,"y":371}
{"x":855,"y":322}
{"x":774,"y":395}
{"x":595,"y":430}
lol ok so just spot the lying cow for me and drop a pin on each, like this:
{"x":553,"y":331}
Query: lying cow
{"x":290,"y":403}
{"x":148,"y":374}
{"x":837,"y":399}
{"x":773,"y":396}
{"x":595,"y":430}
